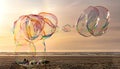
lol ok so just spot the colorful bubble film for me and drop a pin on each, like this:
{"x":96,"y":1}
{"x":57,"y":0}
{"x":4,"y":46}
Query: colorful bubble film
{"x":31,"y":28}
{"x":93,"y":21}
{"x":66,"y":28}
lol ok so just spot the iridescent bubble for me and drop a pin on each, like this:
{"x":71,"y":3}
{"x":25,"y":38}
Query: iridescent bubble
{"x":66,"y":28}
{"x":31,"y":28}
{"x":101,"y":25}
{"x":93,"y":21}
{"x":88,"y":16}
{"x":49,"y":27}
{"x":28,"y":29}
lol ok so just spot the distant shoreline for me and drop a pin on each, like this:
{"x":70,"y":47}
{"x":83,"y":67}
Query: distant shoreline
{"x":60,"y":54}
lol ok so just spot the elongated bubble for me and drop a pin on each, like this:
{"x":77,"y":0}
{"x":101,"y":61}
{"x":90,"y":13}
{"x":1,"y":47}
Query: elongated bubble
{"x":49,"y":27}
{"x":28,"y":29}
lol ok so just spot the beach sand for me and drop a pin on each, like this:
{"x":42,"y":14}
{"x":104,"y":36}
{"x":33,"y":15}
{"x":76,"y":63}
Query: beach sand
{"x":65,"y":62}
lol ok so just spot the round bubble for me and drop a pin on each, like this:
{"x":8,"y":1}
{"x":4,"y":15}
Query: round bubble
{"x":88,"y":16}
{"x":93,"y":21}
{"x":101,"y":25}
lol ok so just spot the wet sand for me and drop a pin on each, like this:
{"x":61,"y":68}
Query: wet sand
{"x":65,"y":62}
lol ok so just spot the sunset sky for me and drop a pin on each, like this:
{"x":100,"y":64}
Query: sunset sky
{"x":67,"y":12}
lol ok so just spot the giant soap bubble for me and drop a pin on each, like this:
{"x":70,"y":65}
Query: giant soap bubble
{"x":100,"y":27}
{"x":49,"y":27}
{"x":28,"y":27}
{"x":33,"y":27}
{"x":93,"y":21}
